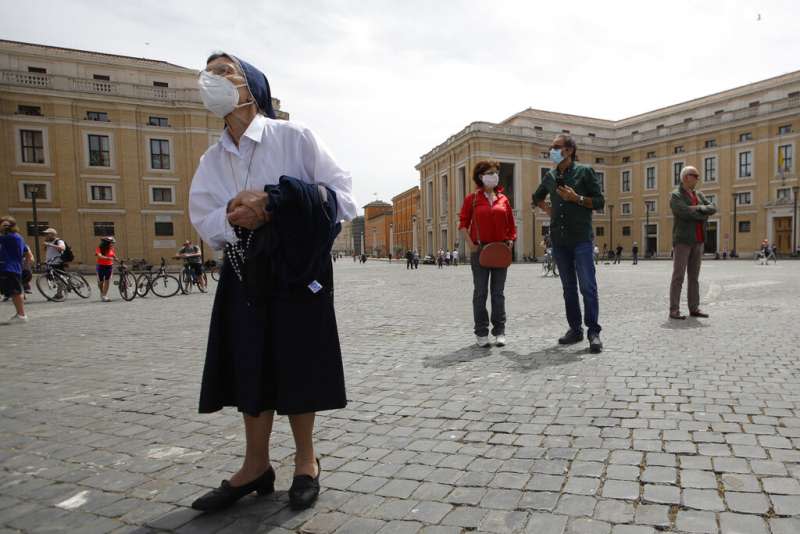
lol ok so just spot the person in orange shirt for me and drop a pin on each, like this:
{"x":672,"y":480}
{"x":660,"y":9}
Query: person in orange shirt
{"x":105,"y":265}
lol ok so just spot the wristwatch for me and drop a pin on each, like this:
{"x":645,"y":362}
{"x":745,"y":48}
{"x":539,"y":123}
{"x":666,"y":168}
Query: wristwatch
{"x":580,"y":200}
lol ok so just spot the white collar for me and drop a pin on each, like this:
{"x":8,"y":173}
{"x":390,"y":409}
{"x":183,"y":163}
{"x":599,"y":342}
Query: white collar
{"x":254,"y":132}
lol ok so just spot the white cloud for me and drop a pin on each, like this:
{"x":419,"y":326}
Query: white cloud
{"x":384,"y":82}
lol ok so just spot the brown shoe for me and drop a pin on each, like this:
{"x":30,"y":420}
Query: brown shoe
{"x":698,"y":313}
{"x":676,"y":315}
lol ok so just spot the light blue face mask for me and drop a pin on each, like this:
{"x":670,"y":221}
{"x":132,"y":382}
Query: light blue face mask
{"x":556,"y":156}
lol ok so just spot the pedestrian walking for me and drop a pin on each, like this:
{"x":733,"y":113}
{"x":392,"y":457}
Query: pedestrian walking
{"x":635,"y":252}
{"x":487,"y":219}
{"x":409,"y":259}
{"x":416,"y":259}
{"x":574,"y":192}
{"x":455,"y":257}
{"x":690,"y":209}
{"x":618,"y":255}
{"x":270,"y":194}
{"x":12,"y":253}
{"x":105,"y":255}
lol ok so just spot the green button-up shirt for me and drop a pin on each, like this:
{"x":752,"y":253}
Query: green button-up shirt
{"x":571,"y":223}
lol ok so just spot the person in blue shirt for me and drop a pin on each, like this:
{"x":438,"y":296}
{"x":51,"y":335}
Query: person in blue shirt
{"x":12,"y":252}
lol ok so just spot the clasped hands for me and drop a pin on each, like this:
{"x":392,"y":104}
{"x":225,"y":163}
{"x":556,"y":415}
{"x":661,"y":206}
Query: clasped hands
{"x":567,"y":193}
{"x":248,"y":210}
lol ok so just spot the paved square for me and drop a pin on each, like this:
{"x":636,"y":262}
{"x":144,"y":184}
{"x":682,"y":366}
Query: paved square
{"x":680,"y":426}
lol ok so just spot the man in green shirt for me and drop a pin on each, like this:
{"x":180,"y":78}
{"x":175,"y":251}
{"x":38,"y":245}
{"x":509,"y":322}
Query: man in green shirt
{"x":574,"y":191}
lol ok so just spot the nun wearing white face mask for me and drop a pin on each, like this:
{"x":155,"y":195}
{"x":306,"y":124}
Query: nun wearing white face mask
{"x":486,"y":219}
{"x":270,"y":353}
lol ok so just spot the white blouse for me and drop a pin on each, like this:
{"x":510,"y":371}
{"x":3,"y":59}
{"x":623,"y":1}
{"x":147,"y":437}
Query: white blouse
{"x":267,"y":150}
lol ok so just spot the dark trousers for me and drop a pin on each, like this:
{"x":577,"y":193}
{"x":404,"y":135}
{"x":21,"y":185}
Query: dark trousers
{"x":576,"y":266}
{"x":484,"y":281}
{"x":409,"y":263}
{"x":635,"y":258}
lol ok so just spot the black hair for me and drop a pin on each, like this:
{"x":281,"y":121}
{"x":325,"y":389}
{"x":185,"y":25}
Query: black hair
{"x":105,"y":246}
{"x":569,"y":142}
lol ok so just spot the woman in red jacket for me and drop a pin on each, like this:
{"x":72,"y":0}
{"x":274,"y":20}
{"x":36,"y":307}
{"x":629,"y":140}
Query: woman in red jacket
{"x":487,"y":217}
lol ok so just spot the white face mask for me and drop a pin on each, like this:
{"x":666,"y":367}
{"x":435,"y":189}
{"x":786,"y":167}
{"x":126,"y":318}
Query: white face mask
{"x":490,"y":180}
{"x":219,"y":94}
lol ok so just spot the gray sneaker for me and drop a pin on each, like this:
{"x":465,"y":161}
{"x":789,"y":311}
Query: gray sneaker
{"x":595,"y":345}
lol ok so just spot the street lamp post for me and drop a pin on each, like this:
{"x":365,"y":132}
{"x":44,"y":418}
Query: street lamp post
{"x":795,"y":190}
{"x":611,"y":213}
{"x":34,"y":195}
{"x":733,"y":252}
{"x":533,"y":231}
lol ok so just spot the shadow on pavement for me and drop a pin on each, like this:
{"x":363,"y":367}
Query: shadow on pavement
{"x":549,"y":357}
{"x":467,"y":354}
{"x":689,"y":322}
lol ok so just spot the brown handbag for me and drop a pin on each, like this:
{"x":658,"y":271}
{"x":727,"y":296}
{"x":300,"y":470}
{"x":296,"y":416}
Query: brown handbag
{"x":496,"y":255}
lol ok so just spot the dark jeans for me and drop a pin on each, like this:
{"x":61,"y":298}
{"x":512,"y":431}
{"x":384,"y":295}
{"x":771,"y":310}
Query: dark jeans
{"x":576,"y":265}
{"x":482,"y":280}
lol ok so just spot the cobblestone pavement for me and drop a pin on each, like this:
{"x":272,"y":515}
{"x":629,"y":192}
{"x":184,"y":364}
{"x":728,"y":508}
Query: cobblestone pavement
{"x":687,"y":427}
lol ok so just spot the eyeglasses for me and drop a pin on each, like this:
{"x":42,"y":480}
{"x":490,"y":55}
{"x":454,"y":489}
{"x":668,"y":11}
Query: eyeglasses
{"x":222,"y":69}
{"x":693,"y":175}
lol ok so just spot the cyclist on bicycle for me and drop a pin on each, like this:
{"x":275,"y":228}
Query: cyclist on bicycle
{"x":193,"y":259}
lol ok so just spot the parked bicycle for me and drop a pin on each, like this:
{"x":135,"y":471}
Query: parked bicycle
{"x":211,"y":266}
{"x":161,"y":283}
{"x":549,"y":265}
{"x":126,"y":281}
{"x":55,"y":283}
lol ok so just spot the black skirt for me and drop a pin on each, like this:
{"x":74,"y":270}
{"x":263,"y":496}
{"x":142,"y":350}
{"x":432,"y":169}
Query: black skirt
{"x":282,"y":354}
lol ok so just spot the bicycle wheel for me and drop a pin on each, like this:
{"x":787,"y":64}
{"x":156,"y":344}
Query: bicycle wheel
{"x":215,"y":274}
{"x":50,"y":286}
{"x":79,"y":285}
{"x":142,"y":285}
{"x":186,"y":282}
{"x":127,"y":286}
{"x":165,"y":285}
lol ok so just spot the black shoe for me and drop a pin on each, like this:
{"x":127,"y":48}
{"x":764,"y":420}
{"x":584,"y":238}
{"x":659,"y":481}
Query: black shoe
{"x":305,"y":490}
{"x":571,"y":337}
{"x":595,"y":345}
{"x":225,"y":495}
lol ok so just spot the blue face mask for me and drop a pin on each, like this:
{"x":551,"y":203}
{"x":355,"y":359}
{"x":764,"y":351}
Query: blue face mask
{"x":556,"y":156}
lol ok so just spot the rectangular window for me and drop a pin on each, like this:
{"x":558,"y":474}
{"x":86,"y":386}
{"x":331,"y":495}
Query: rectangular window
{"x":164,"y":229}
{"x":430,"y":200}
{"x":32,"y":142}
{"x":626,"y":230}
{"x":710,"y":169}
{"x":785,"y":158}
{"x":99,"y":151}
{"x":601,"y":177}
{"x":712,"y":198}
{"x":37,"y":70}
{"x":102,"y":192}
{"x":158,"y":121}
{"x":162,"y":194}
{"x":744,"y":227}
{"x":785,"y":129}
{"x":32,"y":230}
{"x":744,"y":198}
{"x":747,"y":136}
{"x":650,"y":178}
{"x":651,"y":155}
{"x":160,"y":84}
{"x":711,"y":143}
{"x":29,"y":189}
{"x":784,"y":193}
{"x":159,"y":154}
{"x":444,"y":195}
{"x":103,"y":229}
{"x":745,"y":164}
{"x":101,"y":116}
{"x":35,"y":111}
{"x":677,"y":167}
{"x":626,"y":181}
{"x":600,"y":231}
{"x":650,"y":206}
{"x":626,"y":159}
{"x":626,"y":208}
{"x":599,"y":160}
{"x":678,"y":149}
{"x":102,"y":78}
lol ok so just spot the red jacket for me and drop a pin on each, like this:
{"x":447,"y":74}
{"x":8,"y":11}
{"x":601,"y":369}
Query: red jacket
{"x":496,"y":222}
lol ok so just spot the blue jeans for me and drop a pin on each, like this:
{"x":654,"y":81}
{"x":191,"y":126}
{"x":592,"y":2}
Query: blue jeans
{"x":576,"y":265}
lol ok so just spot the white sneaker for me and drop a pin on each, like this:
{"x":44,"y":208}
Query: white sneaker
{"x":18,"y":319}
{"x":105,"y":298}
{"x":483,"y":341}
{"x":500,"y":340}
